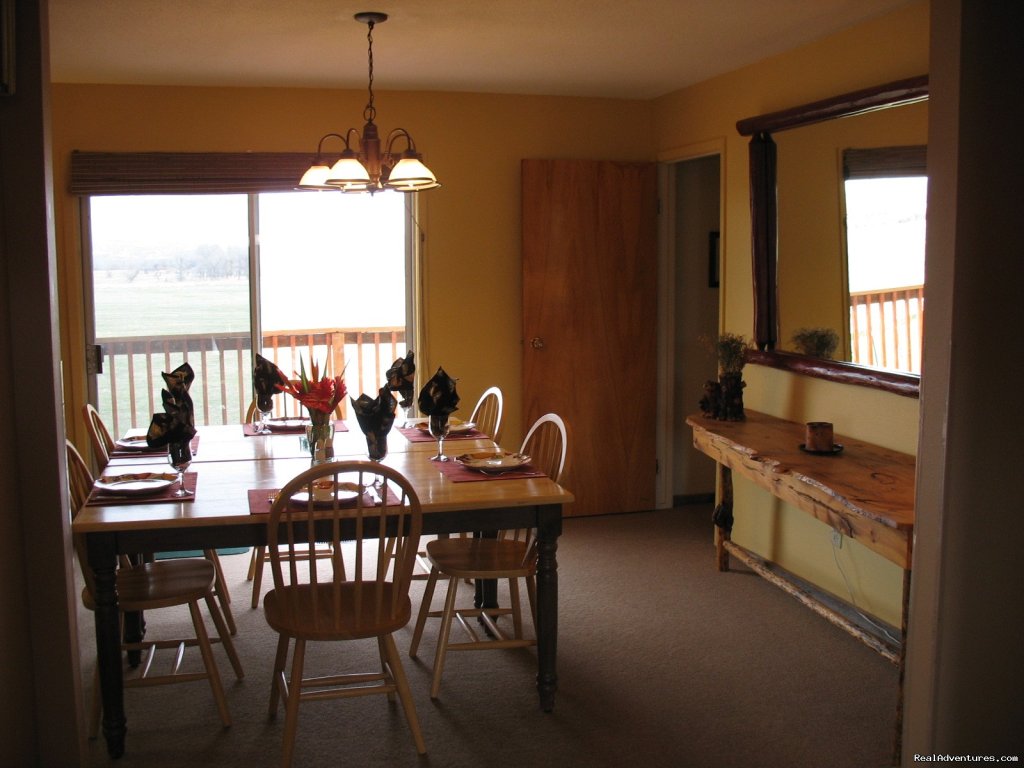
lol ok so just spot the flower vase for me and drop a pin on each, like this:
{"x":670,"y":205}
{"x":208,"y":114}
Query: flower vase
{"x":320,"y":437}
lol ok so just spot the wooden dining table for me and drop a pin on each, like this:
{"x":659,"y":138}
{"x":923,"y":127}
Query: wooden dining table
{"x":228,"y":464}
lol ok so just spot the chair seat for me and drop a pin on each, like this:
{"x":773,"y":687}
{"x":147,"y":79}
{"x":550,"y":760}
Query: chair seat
{"x":328,"y":611}
{"x":480,"y":558}
{"x":164,"y":583}
{"x":160,"y":584}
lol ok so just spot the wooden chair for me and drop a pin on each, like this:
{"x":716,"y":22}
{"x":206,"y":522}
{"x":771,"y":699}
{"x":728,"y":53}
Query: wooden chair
{"x":512,"y":555}
{"x":103,"y":448}
{"x":99,"y":436}
{"x":259,"y":554}
{"x":148,"y":587}
{"x":251,"y":413}
{"x":487,"y":413}
{"x":371,"y":602}
{"x":487,"y":417}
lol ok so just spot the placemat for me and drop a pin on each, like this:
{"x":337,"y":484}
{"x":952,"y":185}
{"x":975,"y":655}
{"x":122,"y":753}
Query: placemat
{"x":414,"y":435}
{"x":260,"y":500}
{"x":459,"y":473}
{"x":249,"y":430}
{"x":121,"y":453}
{"x":99,"y":498}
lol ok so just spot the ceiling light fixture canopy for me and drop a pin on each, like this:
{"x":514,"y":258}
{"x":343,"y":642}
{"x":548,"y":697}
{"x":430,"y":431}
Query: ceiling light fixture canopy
{"x":364,"y":165}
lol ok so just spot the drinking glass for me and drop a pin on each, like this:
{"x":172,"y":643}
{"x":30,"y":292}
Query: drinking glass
{"x":439,"y":429}
{"x":376,"y":445}
{"x":179,"y":455}
{"x":263,"y":429}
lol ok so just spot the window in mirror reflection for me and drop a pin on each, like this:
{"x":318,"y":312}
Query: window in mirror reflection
{"x":886,"y":205}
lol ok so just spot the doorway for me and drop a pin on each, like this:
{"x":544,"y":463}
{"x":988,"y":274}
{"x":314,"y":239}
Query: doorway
{"x":693,"y":252}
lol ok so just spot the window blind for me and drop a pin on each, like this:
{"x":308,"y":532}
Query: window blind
{"x":159,"y":173}
{"x":883,"y":162}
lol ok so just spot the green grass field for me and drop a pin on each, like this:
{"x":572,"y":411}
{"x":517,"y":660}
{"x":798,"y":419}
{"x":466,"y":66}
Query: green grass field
{"x":160,"y":304}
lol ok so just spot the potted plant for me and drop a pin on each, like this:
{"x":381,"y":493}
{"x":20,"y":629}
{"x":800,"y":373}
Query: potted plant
{"x":816,"y":342}
{"x":723,"y":399}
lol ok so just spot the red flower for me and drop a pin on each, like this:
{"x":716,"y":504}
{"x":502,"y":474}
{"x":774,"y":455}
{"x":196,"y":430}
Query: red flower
{"x":316,"y":394}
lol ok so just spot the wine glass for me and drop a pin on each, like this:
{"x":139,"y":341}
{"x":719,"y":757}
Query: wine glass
{"x":439,"y":428}
{"x":179,"y":455}
{"x":263,"y":429}
{"x":376,"y":446}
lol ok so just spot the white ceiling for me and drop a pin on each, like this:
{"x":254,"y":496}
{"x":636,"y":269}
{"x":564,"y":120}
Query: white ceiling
{"x":620,"y":49}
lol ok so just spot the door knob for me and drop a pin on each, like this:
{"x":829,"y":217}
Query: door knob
{"x":537,"y":342}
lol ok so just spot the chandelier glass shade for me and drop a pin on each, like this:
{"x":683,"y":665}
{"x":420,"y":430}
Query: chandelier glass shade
{"x":367,"y":164}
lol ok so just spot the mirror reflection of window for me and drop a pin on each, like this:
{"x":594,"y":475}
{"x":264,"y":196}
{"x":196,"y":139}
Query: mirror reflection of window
{"x":885,"y":199}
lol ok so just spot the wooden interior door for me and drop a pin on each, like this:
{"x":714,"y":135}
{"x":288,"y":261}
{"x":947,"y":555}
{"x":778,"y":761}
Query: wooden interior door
{"x":590,"y":323}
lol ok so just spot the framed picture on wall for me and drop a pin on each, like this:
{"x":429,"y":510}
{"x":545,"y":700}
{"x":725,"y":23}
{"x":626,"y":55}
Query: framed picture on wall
{"x":6,"y":47}
{"x":714,"y":260}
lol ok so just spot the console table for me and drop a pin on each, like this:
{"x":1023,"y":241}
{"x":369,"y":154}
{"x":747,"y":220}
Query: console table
{"x":865,"y":492}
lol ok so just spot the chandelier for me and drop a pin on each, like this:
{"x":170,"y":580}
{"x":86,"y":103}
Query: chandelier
{"x":365,"y":165}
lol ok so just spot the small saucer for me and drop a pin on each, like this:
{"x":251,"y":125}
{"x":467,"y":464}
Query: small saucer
{"x":836,"y":448}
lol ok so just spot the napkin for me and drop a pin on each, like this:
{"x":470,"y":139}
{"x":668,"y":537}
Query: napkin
{"x":266,"y":378}
{"x":438,"y":396}
{"x":375,"y":416}
{"x":400,"y":378}
{"x":180,"y":379}
{"x":177,"y":422}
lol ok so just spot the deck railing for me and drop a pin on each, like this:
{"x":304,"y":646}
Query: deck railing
{"x":129,"y":387}
{"x":886,"y":326}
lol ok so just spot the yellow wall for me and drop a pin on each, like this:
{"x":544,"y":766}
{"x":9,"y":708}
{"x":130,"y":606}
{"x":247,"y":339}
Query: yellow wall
{"x":471,"y":271}
{"x":474,"y":142}
{"x":890,"y":48}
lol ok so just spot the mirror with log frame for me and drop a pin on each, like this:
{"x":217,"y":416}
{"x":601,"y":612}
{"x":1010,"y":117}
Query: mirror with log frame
{"x":770,"y":333}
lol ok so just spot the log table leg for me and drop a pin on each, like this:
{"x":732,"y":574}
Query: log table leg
{"x":723,"y":520}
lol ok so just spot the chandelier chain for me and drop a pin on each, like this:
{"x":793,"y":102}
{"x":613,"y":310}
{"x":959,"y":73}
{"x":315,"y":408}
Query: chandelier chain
{"x":370,"y":112}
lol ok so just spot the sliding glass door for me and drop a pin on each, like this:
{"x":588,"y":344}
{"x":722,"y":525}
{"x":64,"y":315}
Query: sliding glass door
{"x":193,"y":277}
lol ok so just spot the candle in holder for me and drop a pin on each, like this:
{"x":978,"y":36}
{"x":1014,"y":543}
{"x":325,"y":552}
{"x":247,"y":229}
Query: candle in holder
{"x":819,"y":436}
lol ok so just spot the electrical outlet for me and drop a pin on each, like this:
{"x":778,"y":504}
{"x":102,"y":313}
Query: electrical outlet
{"x":837,"y":539}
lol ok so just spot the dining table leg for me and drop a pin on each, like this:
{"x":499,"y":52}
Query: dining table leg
{"x":103,"y":561}
{"x":486,"y":594}
{"x":549,"y":528}
{"x":134,"y":623}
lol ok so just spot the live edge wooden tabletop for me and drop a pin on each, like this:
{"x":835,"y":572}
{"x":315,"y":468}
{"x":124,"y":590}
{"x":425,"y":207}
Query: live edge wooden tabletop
{"x":865,"y":491}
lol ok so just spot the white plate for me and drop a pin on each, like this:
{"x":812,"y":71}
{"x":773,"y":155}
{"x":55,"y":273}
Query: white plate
{"x":133,"y":443}
{"x":288,"y":423}
{"x":143,"y":484}
{"x":454,"y":426}
{"x":491,"y":461}
{"x":325,"y":491}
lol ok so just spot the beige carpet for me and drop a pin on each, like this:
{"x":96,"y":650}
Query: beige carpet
{"x":662,"y":661}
